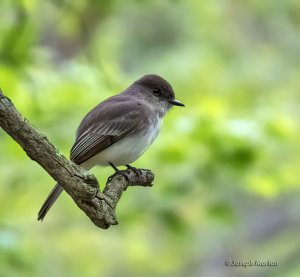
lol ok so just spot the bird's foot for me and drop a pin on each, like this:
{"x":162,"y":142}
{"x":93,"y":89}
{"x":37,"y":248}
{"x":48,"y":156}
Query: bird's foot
{"x":118,"y":172}
{"x":134,"y":169}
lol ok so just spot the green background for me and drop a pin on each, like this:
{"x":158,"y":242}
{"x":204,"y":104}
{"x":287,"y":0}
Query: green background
{"x":227,"y":165}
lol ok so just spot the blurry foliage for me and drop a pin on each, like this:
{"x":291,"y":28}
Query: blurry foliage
{"x":227,"y":165}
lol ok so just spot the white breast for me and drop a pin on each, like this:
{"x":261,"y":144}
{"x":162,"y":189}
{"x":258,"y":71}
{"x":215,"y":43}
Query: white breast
{"x":127,"y":150}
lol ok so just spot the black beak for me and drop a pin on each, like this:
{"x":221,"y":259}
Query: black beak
{"x":176,"y":102}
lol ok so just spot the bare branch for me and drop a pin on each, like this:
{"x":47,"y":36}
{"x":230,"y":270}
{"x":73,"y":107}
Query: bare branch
{"x":81,"y":185}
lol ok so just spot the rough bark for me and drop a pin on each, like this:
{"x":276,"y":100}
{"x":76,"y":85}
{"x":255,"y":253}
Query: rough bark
{"x":81,"y":185}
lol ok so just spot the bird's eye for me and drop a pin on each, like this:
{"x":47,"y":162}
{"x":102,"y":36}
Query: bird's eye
{"x":156,"y":91}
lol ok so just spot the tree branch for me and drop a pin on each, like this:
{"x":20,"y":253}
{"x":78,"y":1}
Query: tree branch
{"x":81,"y":185}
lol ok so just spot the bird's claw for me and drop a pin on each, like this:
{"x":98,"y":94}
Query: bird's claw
{"x":134,"y":169}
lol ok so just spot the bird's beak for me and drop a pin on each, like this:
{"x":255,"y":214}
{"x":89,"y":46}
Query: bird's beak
{"x":176,"y":102}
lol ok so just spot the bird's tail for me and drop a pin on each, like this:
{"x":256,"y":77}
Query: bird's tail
{"x":53,"y":195}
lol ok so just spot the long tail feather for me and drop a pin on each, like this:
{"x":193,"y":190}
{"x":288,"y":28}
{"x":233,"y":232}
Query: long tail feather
{"x":53,"y":195}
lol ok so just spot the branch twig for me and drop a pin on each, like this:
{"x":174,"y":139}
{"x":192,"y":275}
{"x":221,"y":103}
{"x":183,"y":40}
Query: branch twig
{"x":81,"y":185}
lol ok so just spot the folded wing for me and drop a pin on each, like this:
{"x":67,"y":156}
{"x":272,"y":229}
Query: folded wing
{"x":105,"y":125}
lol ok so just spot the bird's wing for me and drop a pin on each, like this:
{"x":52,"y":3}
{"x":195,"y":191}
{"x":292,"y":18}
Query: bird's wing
{"x":105,"y":125}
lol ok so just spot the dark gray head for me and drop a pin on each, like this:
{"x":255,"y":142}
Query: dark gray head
{"x":158,"y":90}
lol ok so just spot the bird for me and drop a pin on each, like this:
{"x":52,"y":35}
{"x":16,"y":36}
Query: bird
{"x":119,"y":130}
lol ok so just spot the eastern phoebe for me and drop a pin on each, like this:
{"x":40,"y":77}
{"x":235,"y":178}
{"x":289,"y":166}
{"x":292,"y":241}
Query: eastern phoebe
{"x":120,"y":129}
